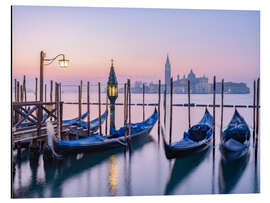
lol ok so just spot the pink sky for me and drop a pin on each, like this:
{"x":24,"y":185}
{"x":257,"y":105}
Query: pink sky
{"x":221,"y":43}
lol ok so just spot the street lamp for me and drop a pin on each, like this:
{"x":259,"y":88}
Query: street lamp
{"x":63,"y":63}
{"x":112,"y":92}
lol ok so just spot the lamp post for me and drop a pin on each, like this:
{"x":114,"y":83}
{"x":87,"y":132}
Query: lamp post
{"x":63,"y":63}
{"x":112,"y":92}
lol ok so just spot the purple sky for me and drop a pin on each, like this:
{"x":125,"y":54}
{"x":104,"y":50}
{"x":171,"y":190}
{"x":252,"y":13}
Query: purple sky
{"x":210,"y":42}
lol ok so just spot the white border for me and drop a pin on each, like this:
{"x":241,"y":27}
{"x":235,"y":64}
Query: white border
{"x":190,"y":4}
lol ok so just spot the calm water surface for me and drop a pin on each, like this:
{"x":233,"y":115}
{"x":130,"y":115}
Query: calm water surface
{"x":144,"y":170}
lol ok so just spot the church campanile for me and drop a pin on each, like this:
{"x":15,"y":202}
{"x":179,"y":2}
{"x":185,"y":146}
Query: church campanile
{"x":167,"y":74}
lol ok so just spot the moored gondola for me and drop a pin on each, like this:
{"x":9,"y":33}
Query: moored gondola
{"x":197,"y":139}
{"x":235,"y":140}
{"x":100,"y":143}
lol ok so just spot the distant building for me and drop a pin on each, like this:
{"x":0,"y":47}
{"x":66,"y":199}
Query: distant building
{"x":167,"y":74}
{"x":198,"y":85}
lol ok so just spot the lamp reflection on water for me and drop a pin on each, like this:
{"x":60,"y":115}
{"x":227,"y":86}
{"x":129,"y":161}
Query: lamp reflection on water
{"x":113,"y":175}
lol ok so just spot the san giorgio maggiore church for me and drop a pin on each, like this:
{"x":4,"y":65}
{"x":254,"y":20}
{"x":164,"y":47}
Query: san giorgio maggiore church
{"x":197,"y":84}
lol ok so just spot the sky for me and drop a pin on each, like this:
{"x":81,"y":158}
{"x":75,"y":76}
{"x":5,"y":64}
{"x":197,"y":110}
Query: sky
{"x":210,"y":42}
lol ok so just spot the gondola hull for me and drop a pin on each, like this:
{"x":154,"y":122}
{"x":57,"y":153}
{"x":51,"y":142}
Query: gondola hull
{"x":97,"y":142}
{"x":107,"y":144}
{"x":196,"y":140}
{"x":172,"y":152}
{"x":235,"y":140}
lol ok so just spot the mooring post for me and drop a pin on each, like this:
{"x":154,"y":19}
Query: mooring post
{"x":58,"y":111}
{"x":80,"y":106}
{"x":45,"y":93}
{"x":254,"y":111}
{"x":106,"y":121}
{"x":129,"y":109}
{"x":60,"y":92}
{"x":55,"y":99}
{"x":15,"y":90}
{"x":189,"y":124}
{"x":214,"y":112}
{"x":222,"y":105}
{"x":88,"y":108}
{"x":99,"y":109}
{"x":165,"y":105}
{"x":51,"y":91}
{"x":36,"y":89}
{"x":143,"y":102}
{"x":159,"y":84}
{"x":171,"y":103}
{"x":21,"y":100}
{"x":125,"y":111}
{"x":257,"y":117}
{"x":24,"y":87}
{"x":61,"y":118}
{"x":18,"y":91}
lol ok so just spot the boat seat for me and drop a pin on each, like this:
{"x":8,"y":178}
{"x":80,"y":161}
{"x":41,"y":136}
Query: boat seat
{"x":198,"y":132}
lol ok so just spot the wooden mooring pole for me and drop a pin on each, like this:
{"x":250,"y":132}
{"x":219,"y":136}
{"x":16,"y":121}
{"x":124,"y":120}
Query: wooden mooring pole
{"x":159,"y":84}
{"x":99,"y":109}
{"x":222,"y":105}
{"x":24,"y":88}
{"x":254,"y":111}
{"x":58,"y":111}
{"x":21,"y":96}
{"x":165,"y":105}
{"x":106,"y":121}
{"x":214,"y":112}
{"x":129,"y":110}
{"x":88,"y":108}
{"x":36,"y":89}
{"x":15,"y":90}
{"x":45,"y":92}
{"x":189,"y":124}
{"x":18,"y":91}
{"x":60,"y":92}
{"x":51,"y":91}
{"x":80,"y":105}
{"x":257,"y":118}
{"x":143,"y":101}
{"x":125,"y":110}
{"x":171,"y":111}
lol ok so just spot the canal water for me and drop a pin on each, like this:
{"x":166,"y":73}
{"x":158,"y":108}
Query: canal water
{"x":144,"y":170}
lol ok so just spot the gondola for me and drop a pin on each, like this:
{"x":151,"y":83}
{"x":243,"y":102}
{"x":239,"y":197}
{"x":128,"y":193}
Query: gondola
{"x":100,"y":143}
{"x":74,"y":120}
{"x":235,"y":140}
{"x":94,"y":125}
{"x":197,"y":139}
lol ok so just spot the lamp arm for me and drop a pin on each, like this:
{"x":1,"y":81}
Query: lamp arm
{"x":53,"y":59}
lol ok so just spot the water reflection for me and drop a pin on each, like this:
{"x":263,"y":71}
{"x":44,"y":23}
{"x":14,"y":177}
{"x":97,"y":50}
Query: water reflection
{"x":230,"y":173}
{"x":113,"y":175}
{"x":182,"y":168}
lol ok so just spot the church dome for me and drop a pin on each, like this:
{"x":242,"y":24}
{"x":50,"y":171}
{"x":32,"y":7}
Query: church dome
{"x":191,"y":75}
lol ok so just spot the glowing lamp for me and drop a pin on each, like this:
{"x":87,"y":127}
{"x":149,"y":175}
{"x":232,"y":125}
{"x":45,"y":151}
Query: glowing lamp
{"x":63,"y":63}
